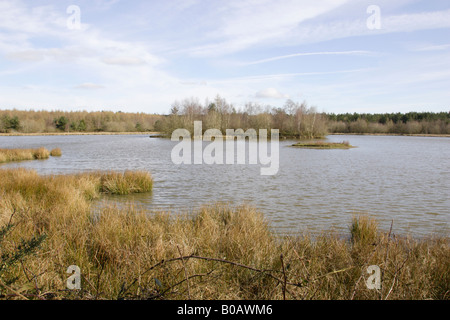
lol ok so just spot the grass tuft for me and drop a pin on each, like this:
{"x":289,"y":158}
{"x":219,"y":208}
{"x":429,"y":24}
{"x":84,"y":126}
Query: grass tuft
{"x":41,"y":153}
{"x":126,"y":183}
{"x":364,"y":230}
{"x":56,"y":152}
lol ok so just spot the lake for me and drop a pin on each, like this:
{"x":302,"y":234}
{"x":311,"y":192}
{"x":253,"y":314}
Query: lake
{"x":393,"y":178}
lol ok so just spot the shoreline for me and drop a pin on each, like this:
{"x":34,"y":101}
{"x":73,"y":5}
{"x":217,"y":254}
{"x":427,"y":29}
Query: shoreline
{"x":157,"y":134}
{"x":391,"y":134}
{"x":19,"y":134}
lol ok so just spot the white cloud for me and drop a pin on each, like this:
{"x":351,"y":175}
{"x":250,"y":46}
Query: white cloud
{"x":284,"y":76}
{"x":271,"y":93}
{"x":434,"y":48}
{"x":416,"y":21}
{"x":22,"y":28}
{"x":312,"y":32}
{"x":40,"y":40}
{"x":124,"y":61}
{"x":89,"y":86}
{"x":243,"y":24}
{"x":15,"y":16}
{"x":27,"y":55}
{"x":303,"y":54}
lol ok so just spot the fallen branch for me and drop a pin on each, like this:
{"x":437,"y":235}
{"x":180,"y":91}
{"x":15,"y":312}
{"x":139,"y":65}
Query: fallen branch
{"x":183,"y":258}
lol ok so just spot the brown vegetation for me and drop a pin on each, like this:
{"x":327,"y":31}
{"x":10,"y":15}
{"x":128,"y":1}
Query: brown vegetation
{"x":293,"y":120}
{"x":219,"y":252}
{"x":56,"y":152}
{"x":9,"y":155}
{"x":324,"y":145}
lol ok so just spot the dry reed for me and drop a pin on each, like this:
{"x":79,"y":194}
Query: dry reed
{"x":219,"y":252}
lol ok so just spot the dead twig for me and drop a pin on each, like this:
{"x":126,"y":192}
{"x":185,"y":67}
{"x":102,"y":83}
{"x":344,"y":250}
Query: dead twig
{"x":284,"y":277}
{"x":185,"y":273}
{"x":15,"y":293}
{"x":33,"y":279}
{"x":124,"y":289}
{"x":395,"y":277}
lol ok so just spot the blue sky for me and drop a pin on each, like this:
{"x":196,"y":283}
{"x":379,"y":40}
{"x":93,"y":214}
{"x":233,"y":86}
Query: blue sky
{"x":141,"y":56}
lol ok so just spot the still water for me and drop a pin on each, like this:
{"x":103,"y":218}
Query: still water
{"x":401,"y":179}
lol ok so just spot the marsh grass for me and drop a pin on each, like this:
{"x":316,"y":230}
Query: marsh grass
{"x":9,"y":155}
{"x":364,"y":230}
{"x":126,"y":183}
{"x":218,"y":252}
{"x":56,"y":152}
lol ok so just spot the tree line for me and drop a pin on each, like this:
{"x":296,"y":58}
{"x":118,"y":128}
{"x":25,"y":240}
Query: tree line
{"x":397,"y":123}
{"x":80,"y":121}
{"x":293,"y":119}
{"x":298,"y":120}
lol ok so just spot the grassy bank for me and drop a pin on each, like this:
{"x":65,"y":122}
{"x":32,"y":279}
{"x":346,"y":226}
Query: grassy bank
{"x":324,"y":145}
{"x":220,"y":252}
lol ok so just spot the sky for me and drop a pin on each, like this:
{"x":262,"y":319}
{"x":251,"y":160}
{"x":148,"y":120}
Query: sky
{"x":141,"y":56}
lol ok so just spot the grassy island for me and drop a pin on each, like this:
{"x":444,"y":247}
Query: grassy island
{"x":324,"y":145}
{"x":11,"y":155}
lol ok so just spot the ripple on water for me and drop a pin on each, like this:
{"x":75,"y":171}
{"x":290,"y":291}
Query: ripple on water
{"x":400,"y":178}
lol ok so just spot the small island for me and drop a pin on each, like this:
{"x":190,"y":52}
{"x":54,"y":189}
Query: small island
{"x":324,"y":145}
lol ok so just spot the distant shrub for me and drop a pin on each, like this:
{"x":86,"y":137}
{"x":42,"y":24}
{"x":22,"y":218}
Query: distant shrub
{"x":9,"y":123}
{"x":61,"y":123}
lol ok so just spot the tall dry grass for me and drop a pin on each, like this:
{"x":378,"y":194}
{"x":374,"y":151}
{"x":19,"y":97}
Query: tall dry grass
{"x":218,"y":252}
{"x":8,"y":155}
{"x":126,"y":183}
{"x":56,"y":152}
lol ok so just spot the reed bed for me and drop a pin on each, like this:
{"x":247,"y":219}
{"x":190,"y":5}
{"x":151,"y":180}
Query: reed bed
{"x":9,"y":155}
{"x":218,"y":252}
